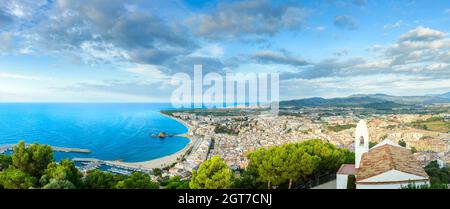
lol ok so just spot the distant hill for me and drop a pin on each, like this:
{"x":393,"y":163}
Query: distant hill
{"x":375,"y":101}
{"x":339,"y":102}
{"x":445,"y":96}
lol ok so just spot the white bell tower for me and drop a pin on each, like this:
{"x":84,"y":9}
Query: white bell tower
{"x":361,"y":141}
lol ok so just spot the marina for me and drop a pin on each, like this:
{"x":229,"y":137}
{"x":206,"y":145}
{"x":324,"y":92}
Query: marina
{"x":88,"y":164}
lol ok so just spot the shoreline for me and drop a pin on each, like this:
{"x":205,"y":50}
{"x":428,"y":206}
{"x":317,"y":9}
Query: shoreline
{"x":160,"y":162}
{"x":164,"y":161}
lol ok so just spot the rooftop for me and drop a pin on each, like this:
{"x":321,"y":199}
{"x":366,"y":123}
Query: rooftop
{"x":348,"y":169}
{"x":385,"y":158}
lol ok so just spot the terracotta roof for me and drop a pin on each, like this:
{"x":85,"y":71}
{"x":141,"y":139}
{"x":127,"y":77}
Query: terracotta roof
{"x":385,"y":158}
{"x":348,"y":169}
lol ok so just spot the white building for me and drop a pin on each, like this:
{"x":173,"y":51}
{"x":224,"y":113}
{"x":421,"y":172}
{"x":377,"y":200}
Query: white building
{"x":384,"y":166}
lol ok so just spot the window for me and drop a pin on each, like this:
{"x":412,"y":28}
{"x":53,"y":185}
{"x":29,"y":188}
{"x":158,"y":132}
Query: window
{"x":361,"y":141}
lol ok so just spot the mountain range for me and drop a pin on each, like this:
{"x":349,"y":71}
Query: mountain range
{"x":369,"y":101}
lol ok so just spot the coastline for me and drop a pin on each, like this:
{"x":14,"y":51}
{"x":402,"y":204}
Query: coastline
{"x":165,"y":160}
{"x":160,"y":162}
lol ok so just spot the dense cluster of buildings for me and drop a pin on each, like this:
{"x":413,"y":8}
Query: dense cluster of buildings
{"x":249,"y":132}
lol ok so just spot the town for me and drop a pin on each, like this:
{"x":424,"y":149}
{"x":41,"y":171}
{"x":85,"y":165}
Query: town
{"x":233,"y":133}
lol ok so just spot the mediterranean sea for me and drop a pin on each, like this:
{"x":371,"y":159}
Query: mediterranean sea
{"x":110,"y":131}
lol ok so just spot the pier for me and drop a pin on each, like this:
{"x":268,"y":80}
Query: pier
{"x":8,"y":147}
{"x":93,"y":160}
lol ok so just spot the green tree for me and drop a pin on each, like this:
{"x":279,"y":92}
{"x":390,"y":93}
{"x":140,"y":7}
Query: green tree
{"x":294,"y":162}
{"x":175,"y":183}
{"x":212,"y":174}
{"x":331,"y":157}
{"x":437,"y":175}
{"x":413,"y":150}
{"x":96,"y":179}
{"x":59,"y":184}
{"x":297,"y":163}
{"x":5,"y":161}
{"x":268,"y":165}
{"x":248,"y":179}
{"x":372,"y":144}
{"x":33,"y":159}
{"x":137,"y":181}
{"x":157,"y":172}
{"x":351,"y":182}
{"x":12,"y":178}
{"x":402,"y":143}
{"x":63,"y":171}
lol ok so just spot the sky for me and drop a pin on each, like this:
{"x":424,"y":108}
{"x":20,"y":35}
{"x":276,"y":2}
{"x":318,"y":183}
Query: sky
{"x":127,"y":51}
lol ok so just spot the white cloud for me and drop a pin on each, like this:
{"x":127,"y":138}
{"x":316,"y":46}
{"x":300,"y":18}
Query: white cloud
{"x":103,"y":51}
{"x":22,"y":77}
{"x":393,"y":25}
{"x":422,"y":34}
{"x":210,"y":50}
{"x":150,"y":73}
{"x":437,"y":66}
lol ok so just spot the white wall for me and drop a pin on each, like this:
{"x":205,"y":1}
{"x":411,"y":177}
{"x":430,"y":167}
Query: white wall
{"x":387,"y":186}
{"x":381,"y":181}
{"x":394,"y":175}
{"x":341,"y":181}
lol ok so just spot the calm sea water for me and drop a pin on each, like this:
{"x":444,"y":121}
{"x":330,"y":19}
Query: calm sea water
{"x":110,"y":131}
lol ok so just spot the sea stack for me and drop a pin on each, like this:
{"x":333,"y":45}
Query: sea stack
{"x":162,"y":135}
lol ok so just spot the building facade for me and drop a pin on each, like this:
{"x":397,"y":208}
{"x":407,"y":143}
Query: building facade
{"x":384,"y":166}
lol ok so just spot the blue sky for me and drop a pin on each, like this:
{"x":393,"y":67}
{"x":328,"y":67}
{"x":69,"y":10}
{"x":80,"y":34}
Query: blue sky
{"x":127,"y":51}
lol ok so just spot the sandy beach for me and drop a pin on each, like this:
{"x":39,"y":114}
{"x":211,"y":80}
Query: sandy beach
{"x":163,"y":161}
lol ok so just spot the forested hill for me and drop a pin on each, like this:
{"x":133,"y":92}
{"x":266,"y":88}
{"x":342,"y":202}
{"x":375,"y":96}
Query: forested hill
{"x":369,"y":101}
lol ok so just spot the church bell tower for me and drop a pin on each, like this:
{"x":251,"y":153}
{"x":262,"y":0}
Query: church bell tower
{"x":361,"y":141}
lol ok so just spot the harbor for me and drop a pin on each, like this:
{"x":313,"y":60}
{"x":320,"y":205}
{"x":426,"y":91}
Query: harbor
{"x":88,"y":164}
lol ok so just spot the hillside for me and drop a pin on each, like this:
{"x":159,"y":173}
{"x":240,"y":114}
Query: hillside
{"x":375,"y":101}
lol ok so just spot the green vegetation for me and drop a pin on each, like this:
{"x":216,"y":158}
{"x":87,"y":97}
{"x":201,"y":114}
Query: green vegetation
{"x":33,"y":159}
{"x":5,"y":161}
{"x":64,"y":174}
{"x":33,"y":167}
{"x":137,"y":181}
{"x":101,"y":180}
{"x":439,"y":178}
{"x":291,"y":163}
{"x":351,"y":182}
{"x":338,"y":128}
{"x":175,"y":183}
{"x":438,"y":175}
{"x":437,"y":124}
{"x":222,"y":129}
{"x":12,"y":178}
{"x":425,"y":186}
{"x":402,"y":143}
{"x":372,"y":144}
{"x":157,"y":172}
{"x":212,"y":174}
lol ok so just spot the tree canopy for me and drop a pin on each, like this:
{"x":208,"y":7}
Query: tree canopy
{"x":212,"y":174}
{"x":65,"y":171}
{"x":33,"y":167}
{"x":296,"y":162}
{"x":13,"y":178}
{"x":175,"y":183}
{"x":5,"y":161}
{"x":137,"y":181}
{"x":33,"y":159}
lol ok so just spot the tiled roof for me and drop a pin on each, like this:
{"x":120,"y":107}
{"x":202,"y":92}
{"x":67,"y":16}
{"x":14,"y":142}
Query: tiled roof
{"x":348,"y":169}
{"x":385,"y":158}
